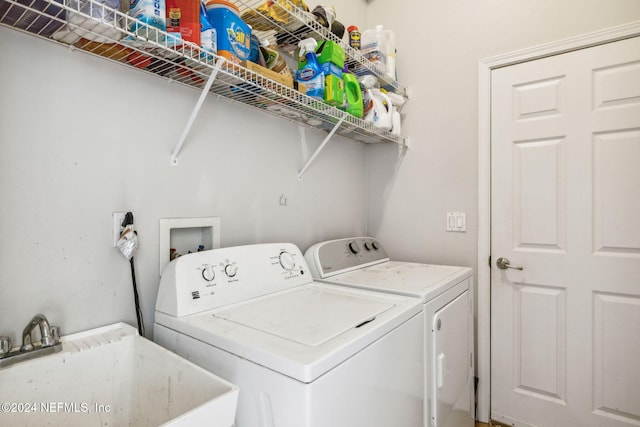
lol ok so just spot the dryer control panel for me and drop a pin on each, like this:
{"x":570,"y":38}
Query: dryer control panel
{"x":333,"y":257}
{"x":211,"y":279}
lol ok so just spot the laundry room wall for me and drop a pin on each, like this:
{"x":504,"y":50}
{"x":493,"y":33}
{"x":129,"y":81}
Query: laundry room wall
{"x":439,"y":47}
{"x":81,"y":137}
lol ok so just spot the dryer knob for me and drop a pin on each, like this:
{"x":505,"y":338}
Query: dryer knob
{"x":286,"y":261}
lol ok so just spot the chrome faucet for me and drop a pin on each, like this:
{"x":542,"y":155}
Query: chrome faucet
{"x":47,"y":338}
{"x":49,"y":342}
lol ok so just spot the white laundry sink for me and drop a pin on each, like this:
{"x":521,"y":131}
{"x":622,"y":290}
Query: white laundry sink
{"x":110,"y":376}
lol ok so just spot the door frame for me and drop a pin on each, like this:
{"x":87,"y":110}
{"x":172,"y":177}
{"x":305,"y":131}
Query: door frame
{"x":485,"y":67}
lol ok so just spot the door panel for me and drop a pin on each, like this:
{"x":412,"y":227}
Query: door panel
{"x":614,"y":353}
{"x":538,"y":194}
{"x":565,"y":205}
{"x":540,"y":350}
{"x":614,"y":179}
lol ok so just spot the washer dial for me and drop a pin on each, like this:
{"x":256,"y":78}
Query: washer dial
{"x":208,"y":273}
{"x":286,"y":261}
{"x":230,"y":270}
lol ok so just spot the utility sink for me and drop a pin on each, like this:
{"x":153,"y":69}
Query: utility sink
{"x":110,"y":376}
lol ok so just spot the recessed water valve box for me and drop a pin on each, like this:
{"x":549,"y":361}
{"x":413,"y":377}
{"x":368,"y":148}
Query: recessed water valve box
{"x":187,"y":235}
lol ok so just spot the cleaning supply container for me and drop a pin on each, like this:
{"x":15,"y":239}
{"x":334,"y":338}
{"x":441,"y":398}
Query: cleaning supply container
{"x":374,"y":47}
{"x":272,"y":58}
{"x":152,"y":14}
{"x":381,"y":113}
{"x":208,"y":35}
{"x":327,"y":52}
{"x":354,"y":37}
{"x":233,"y":35}
{"x":390,"y":39}
{"x":352,"y":94}
{"x":311,"y":74}
{"x":334,"y":89}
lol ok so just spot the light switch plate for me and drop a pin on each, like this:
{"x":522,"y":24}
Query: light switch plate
{"x":456,"y":222}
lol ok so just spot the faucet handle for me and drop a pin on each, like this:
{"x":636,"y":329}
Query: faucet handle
{"x":55,"y":333}
{"x":5,"y":346}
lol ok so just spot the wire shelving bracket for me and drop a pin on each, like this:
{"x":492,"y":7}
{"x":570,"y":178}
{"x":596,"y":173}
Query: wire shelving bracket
{"x":196,"y":110}
{"x":315,"y":154}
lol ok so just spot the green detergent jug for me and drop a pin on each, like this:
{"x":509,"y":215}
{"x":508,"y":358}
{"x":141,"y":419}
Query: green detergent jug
{"x":352,"y":94}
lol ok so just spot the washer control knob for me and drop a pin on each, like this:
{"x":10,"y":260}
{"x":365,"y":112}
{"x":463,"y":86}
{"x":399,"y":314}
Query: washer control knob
{"x":286,"y":261}
{"x":354,"y":248}
{"x":374,"y":245}
{"x":230,"y":270}
{"x":367,"y":246}
{"x":208,"y":273}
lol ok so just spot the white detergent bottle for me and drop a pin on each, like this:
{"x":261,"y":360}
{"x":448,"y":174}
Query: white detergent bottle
{"x":311,"y":74}
{"x":381,"y":111}
{"x":390,"y":39}
{"x":374,"y":47}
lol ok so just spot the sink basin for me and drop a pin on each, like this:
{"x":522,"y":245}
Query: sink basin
{"x":110,"y":376}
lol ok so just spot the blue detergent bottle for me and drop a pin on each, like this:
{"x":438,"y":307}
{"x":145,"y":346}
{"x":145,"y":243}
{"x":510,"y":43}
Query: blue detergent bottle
{"x":310,"y":74}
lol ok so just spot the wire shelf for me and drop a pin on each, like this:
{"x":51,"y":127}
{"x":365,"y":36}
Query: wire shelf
{"x":100,"y":30}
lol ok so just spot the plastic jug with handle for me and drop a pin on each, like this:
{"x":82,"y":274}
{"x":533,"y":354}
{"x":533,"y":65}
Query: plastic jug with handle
{"x":381,"y":111}
{"x":390,"y":44}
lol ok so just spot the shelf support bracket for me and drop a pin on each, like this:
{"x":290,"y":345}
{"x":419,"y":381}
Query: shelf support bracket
{"x":196,"y":110}
{"x":319,"y":149}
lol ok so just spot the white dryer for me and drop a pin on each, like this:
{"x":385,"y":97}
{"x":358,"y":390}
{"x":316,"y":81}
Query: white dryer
{"x":304,"y":354}
{"x":447,"y":295}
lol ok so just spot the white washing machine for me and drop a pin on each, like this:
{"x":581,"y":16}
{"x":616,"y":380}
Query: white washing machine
{"x":303,"y":353}
{"x":447,"y":295}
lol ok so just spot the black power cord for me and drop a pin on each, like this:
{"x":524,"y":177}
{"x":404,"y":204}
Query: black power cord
{"x":128,"y":220}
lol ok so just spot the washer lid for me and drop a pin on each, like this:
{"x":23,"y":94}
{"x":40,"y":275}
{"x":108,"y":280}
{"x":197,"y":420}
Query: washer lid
{"x":308,"y":316}
{"x":302,"y":332}
{"x":406,"y":278}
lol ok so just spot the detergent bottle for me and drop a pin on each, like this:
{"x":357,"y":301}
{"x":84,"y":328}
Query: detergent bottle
{"x":390,"y":39}
{"x":208,"y":42}
{"x":373,"y":44}
{"x":310,"y":74}
{"x":352,"y":94}
{"x":381,"y":111}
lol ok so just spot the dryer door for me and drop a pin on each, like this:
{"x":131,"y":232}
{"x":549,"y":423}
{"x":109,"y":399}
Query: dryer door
{"x":452,"y":382}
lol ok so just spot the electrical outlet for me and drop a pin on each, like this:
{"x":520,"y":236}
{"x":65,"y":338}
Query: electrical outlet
{"x":118,"y":217}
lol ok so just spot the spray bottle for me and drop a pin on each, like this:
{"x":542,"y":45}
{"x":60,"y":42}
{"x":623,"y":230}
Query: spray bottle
{"x":311,"y":74}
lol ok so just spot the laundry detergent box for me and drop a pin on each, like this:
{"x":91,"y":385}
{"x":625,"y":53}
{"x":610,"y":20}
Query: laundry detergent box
{"x":152,"y":14}
{"x":183,"y":19}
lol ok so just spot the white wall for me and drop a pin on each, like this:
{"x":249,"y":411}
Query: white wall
{"x":81,"y":137}
{"x":439,"y":46}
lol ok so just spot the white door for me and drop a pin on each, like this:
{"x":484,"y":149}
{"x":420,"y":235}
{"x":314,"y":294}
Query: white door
{"x":565,"y":206}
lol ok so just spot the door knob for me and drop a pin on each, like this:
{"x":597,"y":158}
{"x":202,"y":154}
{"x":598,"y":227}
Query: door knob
{"x":503,"y":264}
